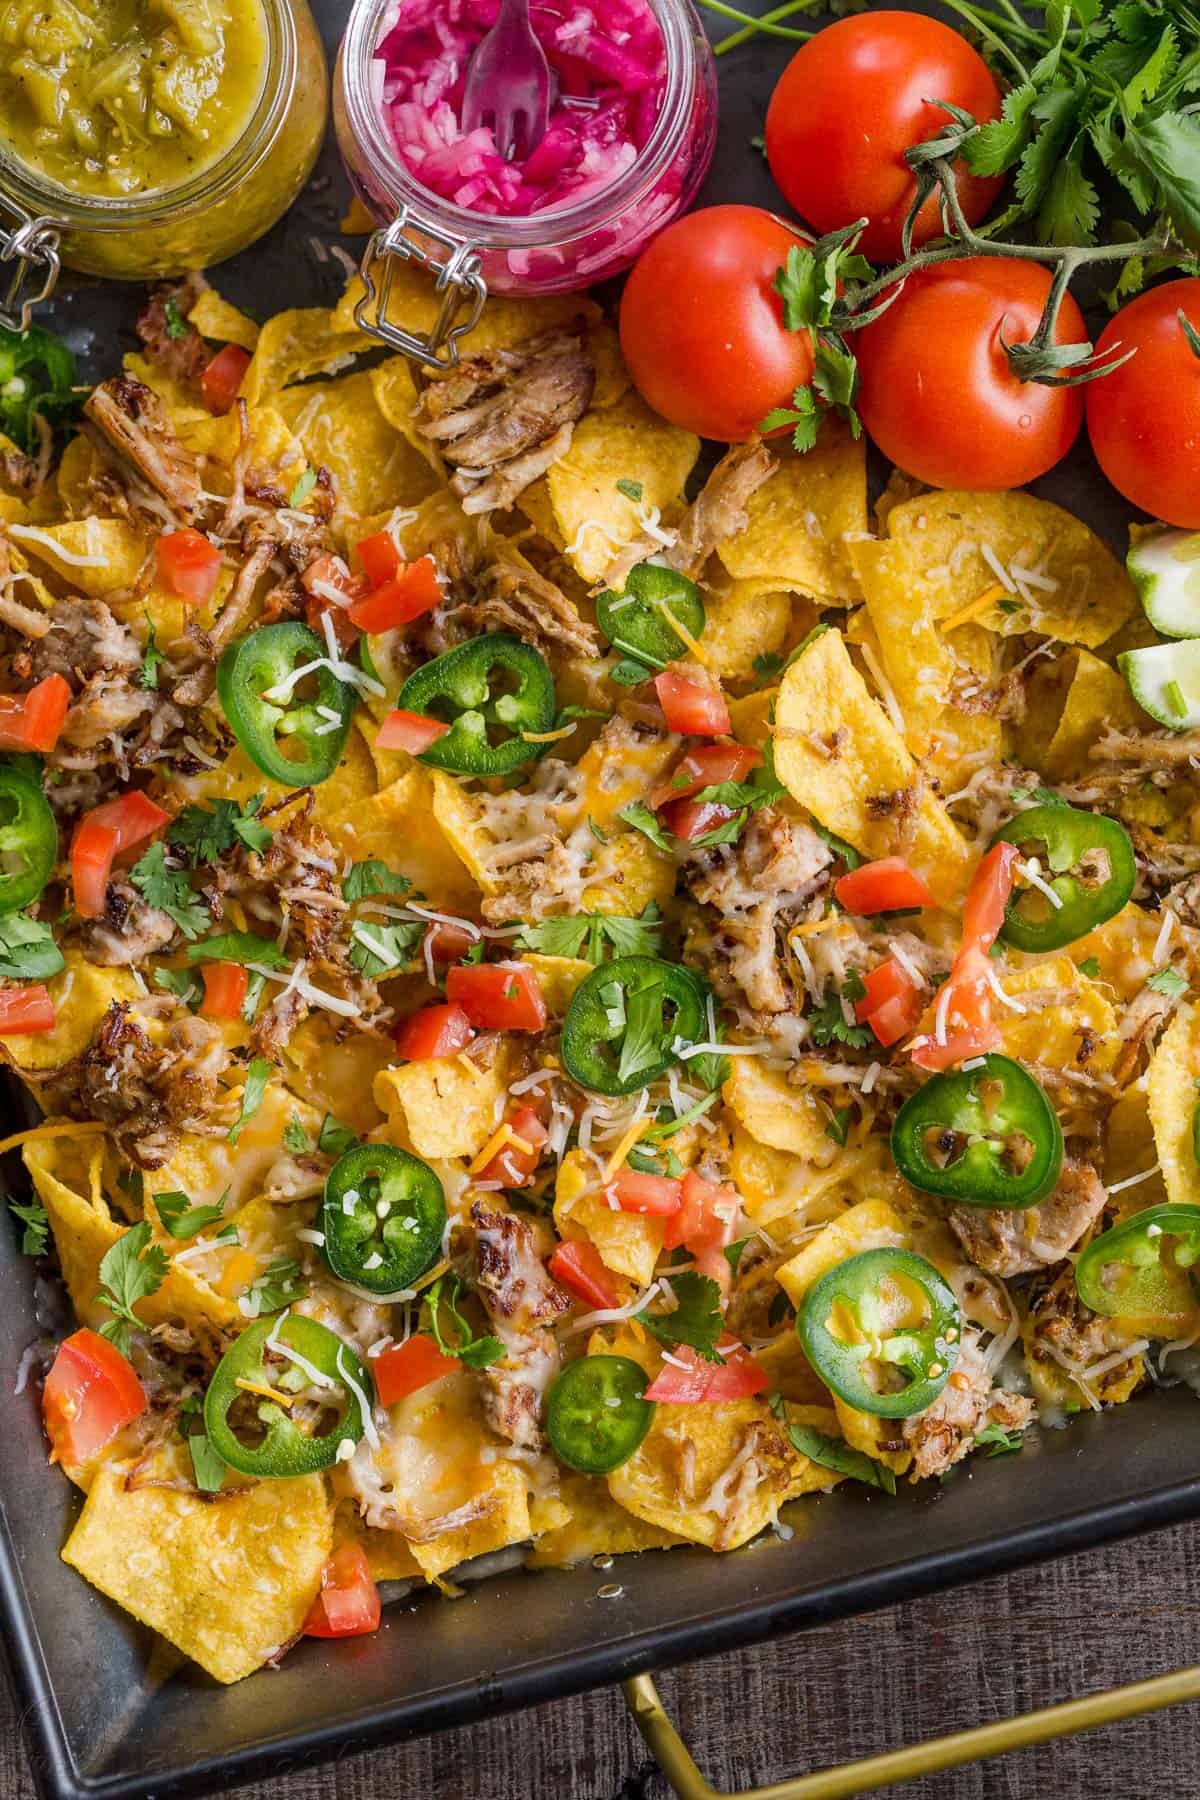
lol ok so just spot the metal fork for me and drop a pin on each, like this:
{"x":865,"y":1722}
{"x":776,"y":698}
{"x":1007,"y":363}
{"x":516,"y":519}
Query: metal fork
{"x":508,"y":84}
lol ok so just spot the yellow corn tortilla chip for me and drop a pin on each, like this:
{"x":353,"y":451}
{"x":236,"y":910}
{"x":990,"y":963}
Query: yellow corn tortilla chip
{"x":777,"y":1113}
{"x":215,"y":318}
{"x":237,"y":778}
{"x":342,"y":429}
{"x":93,"y":556}
{"x":629,"y":1243}
{"x":228,"y":1581}
{"x":840,"y":756}
{"x":804,"y":517}
{"x":558,"y":977}
{"x":388,"y":1555}
{"x":787,"y":1194}
{"x":623,"y":442}
{"x":1097,"y":696}
{"x":82,"y":993}
{"x":448,"y":1107}
{"x":868,"y":1226}
{"x":597,"y":1526}
{"x":294,"y":346}
{"x":401,"y":826}
{"x":954,"y":544}
{"x":396,"y":397}
{"x":204,"y":1168}
{"x":745,"y":620}
{"x":1130,"y":1151}
{"x":1171,"y":1093}
{"x":1124,"y":948}
{"x":181,"y":401}
{"x":1061,"y":1005}
{"x":334,"y":1074}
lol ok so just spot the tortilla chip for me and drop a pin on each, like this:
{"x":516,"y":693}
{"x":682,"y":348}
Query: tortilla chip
{"x":1097,"y":697}
{"x":388,"y":1555}
{"x":237,"y":778}
{"x":396,"y":397}
{"x":205,"y":1168}
{"x":824,"y":701}
{"x":777,"y":1113}
{"x":1124,"y":948}
{"x":1061,"y":1005}
{"x":335,"y":1074}
{"x":401,"y":826}
{"x":216,"y":319}
{"x":1172,"y":1097}
{"x":791,"y":1374}
{"x":82,"y":993}
{"x":447,"y":1107}
{"x":342,"y":429}
{"x":229,"y":1582}
{"x":295,"y":346}
{"x":1130,"y":1150}
{"x":624,"y":442}
{"x":92,"y":556}
{"x":558,"y":977}
{"x":745,"y":620}
{"x":629,"y":1243}
{"x":952,"y":545}
{"x":596,"y":1526}
{"x":803,"y":518}
{"x":868,"y":1226}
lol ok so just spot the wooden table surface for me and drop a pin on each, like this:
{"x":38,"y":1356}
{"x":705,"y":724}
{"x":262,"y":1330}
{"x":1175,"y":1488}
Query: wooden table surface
{"x":845,"y":1690}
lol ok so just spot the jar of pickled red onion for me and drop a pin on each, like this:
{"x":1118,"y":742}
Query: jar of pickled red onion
{"x":632,"y":126}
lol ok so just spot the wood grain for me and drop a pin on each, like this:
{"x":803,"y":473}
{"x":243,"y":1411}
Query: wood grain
{"x":844,"y":1690}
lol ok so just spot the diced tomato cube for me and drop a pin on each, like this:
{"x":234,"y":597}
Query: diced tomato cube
{"x":102,"y":834}
{"x":634,"y":1192}
{"x":225,"y":988}
{"x":34,"y":720}
{"x":410,"y":594}
{"x":705,"y":1224}
{"x":892,"y":1004}
{"x":91,"y":1393}
{"x":222,"y":378}
{"x":348,"y":1604}
{"x":189,"y":564}
{"x":690,"y":819}
{"x":409,"y":731}
{"x":503,"y":996}
{"x":736,"y":1378}
{"x":405,"y":1368}
{"x":692,"y":708}
{"x":579,"y":1267}
{"x":447,"y":943}
{"x":25,"y":1011}
{"x":888,"y":885}
{"x":380,"y":557}
{"x":705,"y":765}
{"x":431,"y":1032}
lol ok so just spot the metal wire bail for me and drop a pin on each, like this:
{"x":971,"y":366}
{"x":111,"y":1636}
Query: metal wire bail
{"x":457,"y":269}
{"x":33,"y":241}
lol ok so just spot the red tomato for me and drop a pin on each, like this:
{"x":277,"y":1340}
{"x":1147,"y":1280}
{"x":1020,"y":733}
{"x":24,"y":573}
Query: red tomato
{"x":690,"y":819}
{"x":223,"y":377}
{"x":433,"y":1031}
{"x":405,"y":1368}
{"x":102,"y":834}
{"x":702,"y":326}
{"x":892,"y":1004}
{"x":705,"y":1224}
{"x":659,"y":1195}
{"x":1144,"y":418}
{"x":515,"y":1165}
{"x":380,"y":557}
{"x":409,"y":731}
{"x":25,"y":1010}
{"x":225,"y":988}
{"x":734,"y":1379}
{"x":414,"y":591}
{"x":327,"y":576}
{"x":447,"y":943}
{"x":963,"y":1014}
{"x":189,"y":564}
{"x":936,"y":392}
{"x":705,"y":765}
{"x":502,"y":996}
{"x":851,"y":102}
{"x":988,"y":896}
{"x":33,"y":721}
{"x":348,"y":1604}
{"x":578,"y":1267}
{"x":91,"y":1393}
{"x":692,"y":708}
{"x":888,"y":885}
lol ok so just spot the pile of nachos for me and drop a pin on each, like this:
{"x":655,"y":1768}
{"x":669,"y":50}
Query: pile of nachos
{"x":577,"y":991}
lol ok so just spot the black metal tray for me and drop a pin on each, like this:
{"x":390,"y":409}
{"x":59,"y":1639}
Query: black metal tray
{"x":110,"y":1715}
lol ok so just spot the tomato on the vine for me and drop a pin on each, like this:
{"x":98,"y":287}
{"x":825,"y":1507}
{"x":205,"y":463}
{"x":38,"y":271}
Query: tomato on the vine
{"x":936,"y":391}
{"x":702,"y":326}
{"x":1144,"y":418}
{"x":851,"y":102}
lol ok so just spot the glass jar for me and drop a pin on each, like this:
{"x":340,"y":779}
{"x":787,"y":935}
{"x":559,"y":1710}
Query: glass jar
{"x":558,"y":250}
{"x":229,"y":204}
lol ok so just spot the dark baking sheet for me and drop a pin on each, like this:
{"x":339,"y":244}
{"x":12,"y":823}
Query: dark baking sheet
{"x":109,"y":1714}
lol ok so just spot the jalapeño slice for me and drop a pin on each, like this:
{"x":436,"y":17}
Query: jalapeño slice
{"x":882,"y":1332}
{"x":595,"y":1414}
{"x":490,"y":691}
{"x":383,"y":1218}
{"x":1143,"y":1268}
{"x":984,"y":1136}
{"x":266,"y":1440}
{"x":28,"y":840}
{"x":624,"y":1020}
{"x":1087,"y":862}
{"x":263,"y":682}
{"x":638,"y":620}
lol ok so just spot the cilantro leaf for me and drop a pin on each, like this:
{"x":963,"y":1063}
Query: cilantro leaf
{"x":258,"y":1074}
{"x":835,"y":380}
{"x":696,"y":1320}
{"x":802,"y":415}
{"x":208,"y":1467}
{"x":1003,"y":1443}
{"x":1038,"y":796}
{"x":170,"y":891}
{"x":28,"y":951}
{"x":334,"y":1138}
{"x":1091,"y":968}
{"x":839,"y":1124}
{"x":182,"y":1219}
{"x":131,"y":1270}
{"x":768,"y":666}
{"x":827,"y":1024}
{"x":278,"y":1286}
{"x":242,"y":947}
{"x":839,"y":846}
{"x":185,"y":984}
{"x":378,"y":949}
{"x":997,"y":145}
{"x":303,"y":488}
{"x":207,"y":833}
{"x":591,"y":935}
{"x":1168,"y":981}
{"x":475,"y":1352}
{"x":831,"y":1453}
{"x":632,"y":490}
{"x":295,"y":1138}
{"x":152,"y":658}
{"x":373,"y":877}
{"x":177,"y":325}
{"x":638,"y":815}
{"x":629,"y":673}
{"x":33,"y":1216}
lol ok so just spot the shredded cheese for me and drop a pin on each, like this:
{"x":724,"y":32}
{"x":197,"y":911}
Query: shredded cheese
{"x":259,"y":1387}
{"x":636,"y":1131}
{"x":973,"y":608}
{"x":70,"y":1129}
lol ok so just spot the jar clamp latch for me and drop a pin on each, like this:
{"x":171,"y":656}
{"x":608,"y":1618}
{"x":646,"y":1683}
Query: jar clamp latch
{"x":457,"y":268}
{"x":31,"y":243}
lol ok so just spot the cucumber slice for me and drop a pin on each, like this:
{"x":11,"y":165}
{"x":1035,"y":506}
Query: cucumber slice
{"x":1165,"y":569}
{"x":1165,"y":681}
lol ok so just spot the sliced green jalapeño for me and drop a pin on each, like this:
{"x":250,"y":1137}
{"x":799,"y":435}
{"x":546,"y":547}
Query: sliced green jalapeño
{"x":638,"y":621}
{"x":285,"y":706}
{"x":882,"y":1332}
{"x":383,"y":1218}
{"x":1086,"y":861}
{"x":624,"y":1021}
{"x":290,"y":1355}
{"x":493,"y":692}
{"x":28,"y":840}
{"x":595,"y":1413}
{"x":1143,"y":1268}
{"x":986,"y":1135}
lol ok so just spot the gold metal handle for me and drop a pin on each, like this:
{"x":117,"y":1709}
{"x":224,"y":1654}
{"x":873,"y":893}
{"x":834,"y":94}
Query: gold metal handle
{"x":671,"y":1753}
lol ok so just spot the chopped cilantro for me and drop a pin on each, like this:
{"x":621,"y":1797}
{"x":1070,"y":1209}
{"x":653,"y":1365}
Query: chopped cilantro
{"x":170,"y":891}
{"x":591,"y":936}
{"x":666,"y":1163}
{"x":131,"y":1270}
{"x":831,"y":1453}
{"x":334,"y":1138}
{"x":1038,"y":796}
{"x":182,"y":1219}
{"x":696,"y":1320}
{"x":828,"y":1024}
{"x":779,"y":1309}
{"x":206,"y":833}
{"x":177,"y":325}
{"x":238,"y":947}
{"x":1003,"y":1443}
{"x":733,"y":1252}
{"x":303,"y":488}
{"x":28,"y":951}
{"x":475,"y":1352}
{"x":629,"y":673}
{"x":768,"y":666}
{"x":601,"y":837}
{"x":207,"y":1465}
{"x":1091,"y":968}
{"x":258,"y":1074}
{"x":638,"y":815}
{"x":839,"y":1124}
{"x":278,"y":1286}
{"x":295,"y":1138}
{"x":632,"y":490}
{"x":373,"y":877}
{"x":1169,"y":982}
{"x":152,"y":658}
{"x":839,"y":846}
{"x":185,"y":984}
{"x":378,"y":949}
{"x":34,"y":1218}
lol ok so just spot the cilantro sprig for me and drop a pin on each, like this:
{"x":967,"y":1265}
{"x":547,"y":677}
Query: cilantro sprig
{"x":170,"y":891}
{"x":476,"y":1351}
{"x":696,"y":1320}
{"x":593,"y":936}
{"x":206,"y":833}
{"x":130,"y":1271}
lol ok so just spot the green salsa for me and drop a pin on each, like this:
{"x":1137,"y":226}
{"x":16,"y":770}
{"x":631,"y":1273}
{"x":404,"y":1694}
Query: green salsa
{"x":118,"y":98}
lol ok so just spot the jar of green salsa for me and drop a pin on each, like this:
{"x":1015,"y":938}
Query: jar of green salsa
{"x":148,"y":137}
